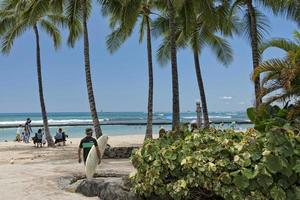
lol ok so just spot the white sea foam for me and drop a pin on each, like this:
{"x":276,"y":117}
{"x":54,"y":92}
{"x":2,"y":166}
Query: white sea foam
{"x":51,"y":122}
{"x":213,"y":117}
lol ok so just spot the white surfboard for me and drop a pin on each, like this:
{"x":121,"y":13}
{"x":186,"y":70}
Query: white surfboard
{"x":92,"y":159}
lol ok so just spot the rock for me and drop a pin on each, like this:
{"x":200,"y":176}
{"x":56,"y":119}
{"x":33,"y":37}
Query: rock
{"x":113,"y":188}
{"x":12,"y":161}
{"x":118,"y":152}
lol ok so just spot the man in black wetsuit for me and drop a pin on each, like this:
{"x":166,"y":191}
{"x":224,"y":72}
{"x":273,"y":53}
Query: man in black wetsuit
{"x":86,"y":144}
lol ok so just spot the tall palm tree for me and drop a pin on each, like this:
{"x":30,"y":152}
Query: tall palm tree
{"x":281,"y":80}
{"x":123,"y":21}
{"x":204,"y":33}
{"x":77,"y":13}
{"x":169,"y":9}
{"x":196,"y":30}
{"x":20,"y":16}
{"x":255,"y":25}
{"x":173,"y":47}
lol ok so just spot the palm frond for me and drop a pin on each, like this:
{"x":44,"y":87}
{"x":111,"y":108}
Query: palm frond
{"x":11,"y":34}
{"x":116,"y":39}
{"x":262,"y":25}
{"x":163,"y":53}
{"x":280,"y":43}
{"x":52,"y":31}
{"x":221,"y":48}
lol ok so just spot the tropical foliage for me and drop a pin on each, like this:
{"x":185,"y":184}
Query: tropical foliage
{"x":229,"y":164}
{"x":281,"y":80}
{"x":266,"y":116}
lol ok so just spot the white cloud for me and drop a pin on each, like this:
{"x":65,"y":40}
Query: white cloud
{"x":226,"y":98}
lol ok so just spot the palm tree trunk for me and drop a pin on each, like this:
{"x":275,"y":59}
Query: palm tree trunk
{"x":175,"y":85}
{"x":40,"y":85}
{"x":88,"y":77}
{"x":255,"y":52}
{"x":150,"y":77}
{"x":201,"y":89}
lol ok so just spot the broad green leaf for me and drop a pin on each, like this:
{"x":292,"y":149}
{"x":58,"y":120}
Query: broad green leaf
{"x":250,"y":174}
{"x":277,"y":193}
{"x":265,"y":181}
{"x":274,"y":164}
{"x":241,"y":181}
{"x":296,"y":168}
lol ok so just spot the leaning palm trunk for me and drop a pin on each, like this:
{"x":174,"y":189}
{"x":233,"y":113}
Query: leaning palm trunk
{"x":89,"y":83}
{"x":201,"y":89}
{"x":150,"y":89}
{"x":255,"y":52}
{"x":40,"y":85}
{"x":175,"y":86}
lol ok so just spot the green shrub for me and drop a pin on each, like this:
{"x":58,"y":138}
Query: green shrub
{"x":232,"y":165}
{"x":266,"y":117}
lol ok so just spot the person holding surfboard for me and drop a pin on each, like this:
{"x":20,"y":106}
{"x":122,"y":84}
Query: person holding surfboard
{"x":86,"y":144}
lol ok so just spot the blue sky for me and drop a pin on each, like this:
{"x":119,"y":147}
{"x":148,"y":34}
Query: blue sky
{"x":120,"y":80}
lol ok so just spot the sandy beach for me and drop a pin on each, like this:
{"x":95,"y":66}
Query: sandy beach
{"x":36,"y":173}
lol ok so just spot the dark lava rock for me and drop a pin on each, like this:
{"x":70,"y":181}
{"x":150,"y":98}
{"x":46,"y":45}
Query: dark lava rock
{"x":113,"y":188}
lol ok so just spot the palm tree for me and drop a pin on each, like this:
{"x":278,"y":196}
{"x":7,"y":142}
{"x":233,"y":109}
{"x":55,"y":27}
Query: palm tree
{"x":281,"y":76}
{"x":20,"y":16}
{"x":124,"y":20}
{"x":77,"y":13}
{"x":173,"y":48}
{"x":196,"y":30}
{"x":255,"y":25}
{"x":204,"y":33}
{"x":169,"y":9}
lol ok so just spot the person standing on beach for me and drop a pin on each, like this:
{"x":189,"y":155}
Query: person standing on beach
{"x":28,"y":130}
{"x":86,"y":144}
{"x":19,"y":133}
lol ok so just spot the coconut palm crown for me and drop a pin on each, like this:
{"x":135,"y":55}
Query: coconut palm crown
{"x":281,"y":81}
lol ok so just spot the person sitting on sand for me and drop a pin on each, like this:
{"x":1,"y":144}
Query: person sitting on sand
{"x":38,"y":138}
{"x":60,"y":137}
{"x":86,"y":144}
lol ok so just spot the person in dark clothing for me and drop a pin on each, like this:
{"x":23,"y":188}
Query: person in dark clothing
{"x":37,"y":139}
{"x":86,"y":144}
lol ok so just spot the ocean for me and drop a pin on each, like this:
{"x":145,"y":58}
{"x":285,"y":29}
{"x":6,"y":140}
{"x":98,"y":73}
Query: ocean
{"x":114,"y":123}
